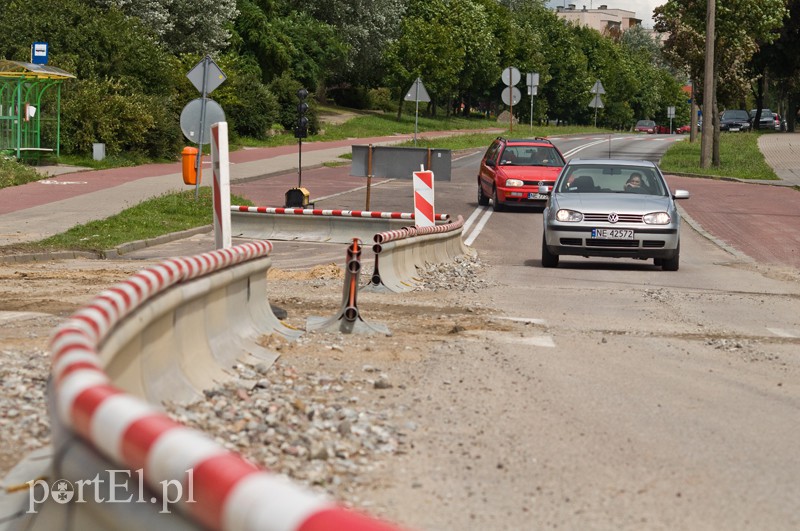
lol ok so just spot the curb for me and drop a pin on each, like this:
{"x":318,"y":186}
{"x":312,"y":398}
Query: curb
{"x":109,"y":254}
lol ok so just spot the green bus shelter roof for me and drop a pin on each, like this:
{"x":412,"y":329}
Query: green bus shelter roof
{"x":17,"y":69}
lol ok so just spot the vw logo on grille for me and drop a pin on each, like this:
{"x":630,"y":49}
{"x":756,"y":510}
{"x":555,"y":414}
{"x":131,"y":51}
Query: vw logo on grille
{"x":541,"y":183}
{"x":613,"y":217}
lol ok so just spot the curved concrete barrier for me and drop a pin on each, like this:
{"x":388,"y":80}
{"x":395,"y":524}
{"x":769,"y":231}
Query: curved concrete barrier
{"x":162,"y":311}
{"x":316,"y":225}
{"x":399,"y":253}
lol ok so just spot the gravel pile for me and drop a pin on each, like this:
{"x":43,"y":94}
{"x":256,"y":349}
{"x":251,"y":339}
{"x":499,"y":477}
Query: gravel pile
{"x":320,"y":429}
{"x":463,"y":274}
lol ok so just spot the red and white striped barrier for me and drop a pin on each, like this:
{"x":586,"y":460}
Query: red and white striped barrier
{"x":332,"y":212}
{"x":228,"y":492}
{"x":315,"y":225}
{"x":423,"y":199}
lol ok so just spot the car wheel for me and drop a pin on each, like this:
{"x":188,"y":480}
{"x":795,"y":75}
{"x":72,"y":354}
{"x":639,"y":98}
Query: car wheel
{"x":548,"y":259}
{"x":483,"y":200}
{"x":672,"y":264}
{"x":498,"y":206}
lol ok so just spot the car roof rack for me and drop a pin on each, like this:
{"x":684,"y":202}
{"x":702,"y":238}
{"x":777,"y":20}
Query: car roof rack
{"x":536,"y":139}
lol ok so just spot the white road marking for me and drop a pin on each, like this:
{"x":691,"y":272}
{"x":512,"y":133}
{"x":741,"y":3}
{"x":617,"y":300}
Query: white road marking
{"x":509,"y":337}
{"x":528,"y":320}
{"x":479,"y":227}
{"x":782,"y":332}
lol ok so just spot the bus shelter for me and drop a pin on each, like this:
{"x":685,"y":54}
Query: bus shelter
{"x":30,"y":108}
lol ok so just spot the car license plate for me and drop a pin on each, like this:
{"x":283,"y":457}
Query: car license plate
{"x":735,"y":129}
{"x":533,"y":195}
{"x":612,"y":234}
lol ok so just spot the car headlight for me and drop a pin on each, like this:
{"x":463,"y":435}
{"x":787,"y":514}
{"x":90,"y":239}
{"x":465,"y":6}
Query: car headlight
{"x":513,"y":183}
{"x":569,"y":215}
{"x":657,"y":218}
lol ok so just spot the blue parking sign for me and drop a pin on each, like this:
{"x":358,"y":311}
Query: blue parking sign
{"x":39,"y":53}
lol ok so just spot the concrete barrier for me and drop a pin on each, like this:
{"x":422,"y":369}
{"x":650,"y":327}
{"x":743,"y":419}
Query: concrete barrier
{"x":400,"y":253}
{"x":316,"y":225}
{"x":183,"y":318}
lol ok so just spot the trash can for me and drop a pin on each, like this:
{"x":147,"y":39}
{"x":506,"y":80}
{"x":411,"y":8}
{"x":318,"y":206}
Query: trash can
{"x":98,"y":151}
{"x":189,"y":160}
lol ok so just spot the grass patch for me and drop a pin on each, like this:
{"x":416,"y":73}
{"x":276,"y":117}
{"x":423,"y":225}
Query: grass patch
{"x":739,"y":157}
{"x":154,"y":217}
{"x":13,"y":173}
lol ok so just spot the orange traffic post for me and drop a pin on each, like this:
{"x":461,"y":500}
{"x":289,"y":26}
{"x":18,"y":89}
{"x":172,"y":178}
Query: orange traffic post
{"x":189,"y":159}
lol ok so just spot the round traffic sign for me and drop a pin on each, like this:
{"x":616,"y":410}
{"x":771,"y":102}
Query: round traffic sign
{"x":509,"y":93}
{"x":192,"y":114}
{"x":510,"y":76}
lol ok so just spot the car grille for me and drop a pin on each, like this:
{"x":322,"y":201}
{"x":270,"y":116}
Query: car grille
{"x":612,"y":243}
{"x":633,"y":244}
{"x":536,"y":183}
{"x":623,"y":218}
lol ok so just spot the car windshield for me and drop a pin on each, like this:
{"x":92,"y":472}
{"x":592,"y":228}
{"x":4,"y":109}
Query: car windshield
{"x":645,"y":123}
{"x":735,"y":115}
{"x":585,"y":178}
{"x":531,"y":156}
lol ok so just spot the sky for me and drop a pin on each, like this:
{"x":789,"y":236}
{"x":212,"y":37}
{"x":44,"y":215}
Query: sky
{"x":642,"y":8}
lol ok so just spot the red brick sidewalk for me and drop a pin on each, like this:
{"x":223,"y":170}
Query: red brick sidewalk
{"x":758,"y":220}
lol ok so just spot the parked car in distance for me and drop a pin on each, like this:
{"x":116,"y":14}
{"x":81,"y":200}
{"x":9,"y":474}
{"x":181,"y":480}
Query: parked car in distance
{"x":734,"y":120}
{"x":594,"y":211}
{"x":779,"y":125}
{"x":684,"y":129}
{"x":767,"y":120}
{"x":645,"y":126}
{"x":663,"y":130}
{"x":512,"y":170}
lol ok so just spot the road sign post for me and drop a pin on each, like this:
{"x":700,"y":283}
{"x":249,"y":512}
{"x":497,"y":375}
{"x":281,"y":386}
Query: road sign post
{"x":533,"y":89}
{"x":597,"y":102}
{"x":205,"y":76}
{"x":511,"y":95}
{"x":417,"y":93}
{"x":670,"y":115}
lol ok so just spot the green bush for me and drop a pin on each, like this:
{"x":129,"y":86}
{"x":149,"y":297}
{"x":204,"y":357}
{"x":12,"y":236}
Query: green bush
{"x":12,"y":173}
{"x":124,"y":120}
{"x":250,"y":107}
{"x":381,"y":99}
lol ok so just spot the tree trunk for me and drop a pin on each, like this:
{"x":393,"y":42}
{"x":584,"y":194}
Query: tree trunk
{"x":400,"y":107}
{"x":707,"y":140}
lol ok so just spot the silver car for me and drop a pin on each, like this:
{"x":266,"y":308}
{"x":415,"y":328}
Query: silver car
{"x":612,"y":208}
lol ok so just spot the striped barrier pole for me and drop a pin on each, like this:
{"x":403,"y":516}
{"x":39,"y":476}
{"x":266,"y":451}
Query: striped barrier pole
{"x":220,"y":166}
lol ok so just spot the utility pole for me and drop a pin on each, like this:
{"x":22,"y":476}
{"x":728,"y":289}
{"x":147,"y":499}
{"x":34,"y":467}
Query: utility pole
{"x":707,"y":141}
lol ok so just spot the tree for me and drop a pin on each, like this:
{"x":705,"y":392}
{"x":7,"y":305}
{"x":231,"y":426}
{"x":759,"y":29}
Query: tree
{"x":184,"y":26}
{"x":739,"y":26}
{"x":365,"y":27}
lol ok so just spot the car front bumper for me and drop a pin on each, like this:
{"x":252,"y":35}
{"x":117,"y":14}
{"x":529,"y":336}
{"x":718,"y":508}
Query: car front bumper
{"x":650,"y":242}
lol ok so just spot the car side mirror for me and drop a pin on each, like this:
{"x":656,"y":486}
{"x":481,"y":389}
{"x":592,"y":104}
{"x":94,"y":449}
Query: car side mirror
{"x":680,"y":194}
{"x":490,"y":162}
{"x":545,"y":189}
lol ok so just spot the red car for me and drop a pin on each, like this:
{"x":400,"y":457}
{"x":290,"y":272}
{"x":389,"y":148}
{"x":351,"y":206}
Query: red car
{"x":645,"y":126}
{"x":512,"y":170}
{"x":684,"y":129}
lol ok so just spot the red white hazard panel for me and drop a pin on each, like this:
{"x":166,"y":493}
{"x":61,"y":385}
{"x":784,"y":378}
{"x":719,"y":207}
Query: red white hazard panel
{"x":423,"y":199}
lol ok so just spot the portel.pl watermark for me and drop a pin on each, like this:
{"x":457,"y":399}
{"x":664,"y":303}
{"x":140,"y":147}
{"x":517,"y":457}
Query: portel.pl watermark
{"x":114,"y":487}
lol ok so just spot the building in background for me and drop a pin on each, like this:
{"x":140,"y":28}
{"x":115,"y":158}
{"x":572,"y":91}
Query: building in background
{"x":604,"y":19}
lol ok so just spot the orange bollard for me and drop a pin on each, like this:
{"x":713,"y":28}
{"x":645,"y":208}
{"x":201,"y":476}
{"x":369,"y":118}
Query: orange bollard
{"x":189,"y":156}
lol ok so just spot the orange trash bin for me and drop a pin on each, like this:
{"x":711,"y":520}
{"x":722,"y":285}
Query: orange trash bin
{"x":189,"y":158}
